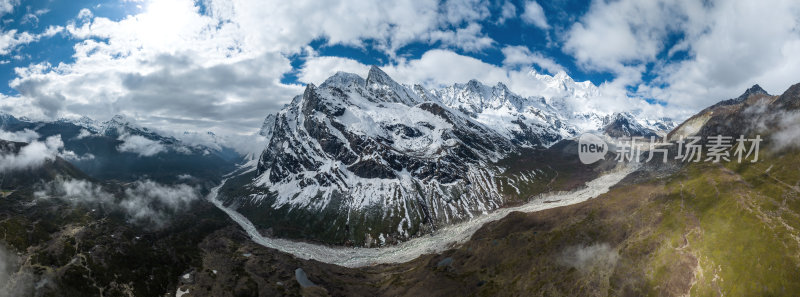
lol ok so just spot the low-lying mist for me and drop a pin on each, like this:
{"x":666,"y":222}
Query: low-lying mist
{"x":143,"y":202}
{"x":33,"y":155}
{"x":14,"y":282}
{"x":783,"y":126}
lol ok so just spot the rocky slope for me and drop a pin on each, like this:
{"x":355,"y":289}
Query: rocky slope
{"x":749,"y":113}
{"x":370,"y":161}
{"x":376,"y":155}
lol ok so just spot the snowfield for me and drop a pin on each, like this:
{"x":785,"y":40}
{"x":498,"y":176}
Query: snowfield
{"x":376,"y":150}
{"x":439,"y":241}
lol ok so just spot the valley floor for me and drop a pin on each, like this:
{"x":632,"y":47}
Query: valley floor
{"x":441,"y":240}
{"x":700,"y":230}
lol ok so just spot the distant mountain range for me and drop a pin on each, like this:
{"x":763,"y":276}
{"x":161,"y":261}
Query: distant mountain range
{"x":122,"y":150}
{"x":367,"y":161}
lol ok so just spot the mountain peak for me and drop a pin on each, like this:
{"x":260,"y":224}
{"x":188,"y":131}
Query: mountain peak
{"x":120,"y":119}
{"x":624,"y":124}
{"x":502,"y":86}
{"x":85,"y":122}
{"x":377,"y":76}
{"x":310,"y":87}
{"x":118,"y":122}
{"x":387,"y":89}
{"x":343,"y":79}
{"x":790,"y":98}
{"x":475,"y":86}
{"x":561,"y":75}
{"x":4,"y":116}
{"x":755,"y":89}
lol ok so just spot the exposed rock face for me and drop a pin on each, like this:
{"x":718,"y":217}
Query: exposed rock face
{"x":374,"y":146}
{"x":378,"y":159}
{"x":791,"y":98}
{"x":625,"y":125}
{"x":754,"y":90}
{"x":266,"y":128}
{"x":743,"y":115}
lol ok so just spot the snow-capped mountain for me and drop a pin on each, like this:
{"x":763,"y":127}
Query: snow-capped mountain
{"x":624,"y":124}
{"x":360,"y":159}
{"x":561,"y":87}
{"x":362,"y":146}
{"x":525,"y":121}
{"x":574,"y":102}
{"x":560,"y":111}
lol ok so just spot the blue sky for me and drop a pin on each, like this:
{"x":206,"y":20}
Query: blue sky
{"x":511,"y":32}
{"x":35,"y":16}
{"x":223,"y":65}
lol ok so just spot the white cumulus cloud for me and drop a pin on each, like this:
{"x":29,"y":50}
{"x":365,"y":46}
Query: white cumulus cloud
{"x":722,"y":47}
{"x":220,"y":68}
{"x":25,"y":135}
{"x":32,"y":155}
{"x":140,"y":145}
{"x":522,"y":56}
{"x":7,"y":6}
{"x":534,"y":15}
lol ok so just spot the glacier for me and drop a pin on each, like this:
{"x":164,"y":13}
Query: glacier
{"x":443,"y":239}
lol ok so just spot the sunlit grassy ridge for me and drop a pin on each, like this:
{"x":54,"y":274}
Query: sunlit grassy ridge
{"x":726,"y":229}
{"x":705,"y":229}
{"x":750,"y":236}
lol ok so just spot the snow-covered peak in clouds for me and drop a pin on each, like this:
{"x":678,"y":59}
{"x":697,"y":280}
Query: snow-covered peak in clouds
{"x":87,"y":122}
{"x":562,"y":85}
{"x":121,"y":124}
